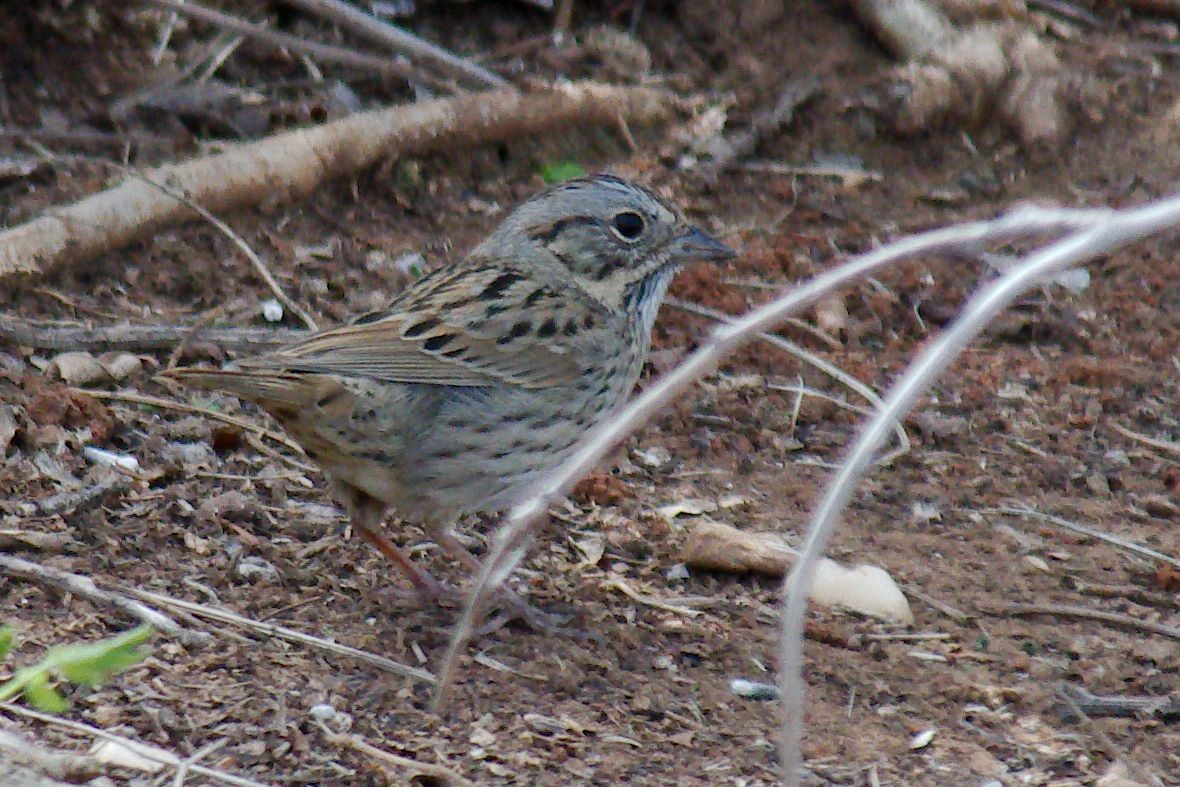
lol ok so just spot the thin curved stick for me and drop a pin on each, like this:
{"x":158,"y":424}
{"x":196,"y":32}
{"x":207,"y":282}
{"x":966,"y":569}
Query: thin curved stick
{"x":808,"y":357}
{"x":513,"y":537}
{"x":1105,"y":232}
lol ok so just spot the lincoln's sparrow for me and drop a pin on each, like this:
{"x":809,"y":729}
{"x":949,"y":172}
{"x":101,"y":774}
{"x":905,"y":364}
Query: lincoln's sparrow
{"x":482,"y":376}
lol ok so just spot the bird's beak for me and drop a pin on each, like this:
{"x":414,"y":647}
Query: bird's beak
{"x":693,"y":244}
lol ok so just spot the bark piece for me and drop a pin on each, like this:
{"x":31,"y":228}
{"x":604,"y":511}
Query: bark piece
{"x":290,"y":165}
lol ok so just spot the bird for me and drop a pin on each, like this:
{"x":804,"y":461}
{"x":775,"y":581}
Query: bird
{"x":480,"y":377}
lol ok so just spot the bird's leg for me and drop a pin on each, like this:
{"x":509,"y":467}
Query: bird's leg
{"x":426,"y":585}
{"x":366,"y":514}
{"x":518,"y":607}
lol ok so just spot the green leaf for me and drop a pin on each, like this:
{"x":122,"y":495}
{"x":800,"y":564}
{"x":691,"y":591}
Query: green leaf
{"x":94,"y":663}
{"x":43,"y":696}
{"x":561,"y":170}
{"x":7,"y":640}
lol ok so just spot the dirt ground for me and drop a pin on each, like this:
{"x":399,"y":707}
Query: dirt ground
{"x":1043,"y":412}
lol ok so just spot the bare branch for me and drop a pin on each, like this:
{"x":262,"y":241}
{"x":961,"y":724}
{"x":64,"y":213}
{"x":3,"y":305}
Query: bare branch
{"x":277,"y":40}
{"x":292,"y":164}
{"x":1104,"y":232}
{"x":397,"y":39}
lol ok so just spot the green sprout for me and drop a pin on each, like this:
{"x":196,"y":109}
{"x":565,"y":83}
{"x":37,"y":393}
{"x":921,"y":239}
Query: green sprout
{"x":90,"y":664}
{"x":561,"y":170}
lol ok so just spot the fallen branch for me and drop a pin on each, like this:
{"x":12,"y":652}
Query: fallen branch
{"x":293,"y":164}
{"x":66,"y":502}
{"x":12,"y":540}
{"x":1085,"y":613}
{"x":1113,"y":750}
{"x":67,"y":337}
{"x":85,"y":587}
{"x":276,"y":40}
{"x":397,"y":39}
{"x":284,"y":633}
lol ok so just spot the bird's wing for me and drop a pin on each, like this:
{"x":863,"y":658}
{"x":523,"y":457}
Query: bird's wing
{"x":475,"y":325}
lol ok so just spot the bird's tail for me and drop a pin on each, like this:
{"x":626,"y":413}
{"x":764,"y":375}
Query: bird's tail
{"x":270,"y":389}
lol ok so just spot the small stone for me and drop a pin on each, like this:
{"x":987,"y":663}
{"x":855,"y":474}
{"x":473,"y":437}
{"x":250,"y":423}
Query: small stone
{"x":272,"y":310}
{"x":753,"y":690}
{"x":252,"y":566}
{"x":481,"y":738}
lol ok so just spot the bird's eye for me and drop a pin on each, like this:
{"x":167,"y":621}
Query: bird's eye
{"x":627,"y":225}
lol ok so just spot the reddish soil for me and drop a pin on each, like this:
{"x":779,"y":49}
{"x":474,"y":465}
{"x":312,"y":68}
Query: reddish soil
{"x":1040,"y":412}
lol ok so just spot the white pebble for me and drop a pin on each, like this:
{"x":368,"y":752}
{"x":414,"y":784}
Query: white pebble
{"x":753,"y":690}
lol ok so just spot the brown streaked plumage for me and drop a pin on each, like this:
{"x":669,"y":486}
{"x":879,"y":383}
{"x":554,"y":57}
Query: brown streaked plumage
{"x":480,"y":377}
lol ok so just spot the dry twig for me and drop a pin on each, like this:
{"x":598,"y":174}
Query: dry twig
{"x":181,"y":407}
{"x":145,"y":750}
{"x":1121,"y":543}
{"x":647,"y":601}
{"x":810,"y":358}
{"x":136,"y":338}
{"x":86,"y":138}
{"x":437,"y":773}
{"x":1163,"y":708}
{"x":259,"y":266}
{"x":954,"y":613}
{"x":275,"y":40}
{"x":1171,"y":446}
{"x":85,"y":587}
{"x":294,"y":163}
{"x":399,"y":40}
{"x":284,"y":633}
{"x":1085,"y":613}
